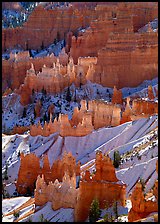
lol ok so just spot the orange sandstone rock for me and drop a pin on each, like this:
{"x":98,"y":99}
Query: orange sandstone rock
{"x":104,"y":186}
{"x":117,"y":96}
{"x":30,"y":169}
{"x":140,"y":206}
{"x":150,"y":93}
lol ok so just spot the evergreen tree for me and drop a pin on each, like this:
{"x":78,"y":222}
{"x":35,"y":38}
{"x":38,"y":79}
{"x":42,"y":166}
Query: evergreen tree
{"x":117,"y":159}
{"x":68,"y":96}
{"x":94,"y":212}
{"x":143,"y":183}
{"x":115,"y":209}
{"x":24,"y":113}
{"x":34,"y":113}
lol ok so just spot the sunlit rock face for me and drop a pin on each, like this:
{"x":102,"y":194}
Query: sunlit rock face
{"x":141,"y":206}
{"x":62,"y":194}
{"x":30,"y":169}
{"x":103,"y":185}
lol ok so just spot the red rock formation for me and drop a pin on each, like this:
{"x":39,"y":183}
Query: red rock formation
{"x":61,"y":194}
{"x":104,"y":186}
{"x":20,"y":129}
{"x":142,"y":107}
{"x":129,"y":17}
{"x":55,"y":79}
{"x":28,"y":172}
{"x":36,"y":31}
{"x":150,"y":93}
{"x":117,"y":96}
{"x":141,"y":208}
{"x":30,"y":169}
{"x":19,"y":64}
{"x":83,"y":121}
{"x":128,"y":53}
{"x":126,"y":115}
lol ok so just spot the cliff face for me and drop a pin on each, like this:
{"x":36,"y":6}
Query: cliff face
{"x":30,"y":169}
{"x":140,"y":207}
{"x":127,"y":53}
{"x":19,"y":64}
{"x":103,"y":185}
{"x":36,"y":32}
{"x":112,"y":18}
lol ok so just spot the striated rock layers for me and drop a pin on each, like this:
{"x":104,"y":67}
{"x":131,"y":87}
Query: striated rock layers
{"x":127,"y":60}
{"x":120,"y":18}
{"x":30,"y":169}
{"x":103,"y":185}
{"x":36,"y":32}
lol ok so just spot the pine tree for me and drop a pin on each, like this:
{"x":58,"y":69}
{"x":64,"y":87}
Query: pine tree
{"x":68,"y":96}
{"x":115,"y":209}
{"x":24,"y":113}
{"x":94,"y":212}
{"x":117,"y":159}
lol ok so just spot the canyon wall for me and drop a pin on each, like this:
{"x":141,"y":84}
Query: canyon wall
{"x":103,"y":185}
{"x":127,"y":60}
{"x":36,"y":32}
{"x":14,"y":69}
{"x":141,"y":208}
{"x":112,"y":18}
{"x":30,"y":169}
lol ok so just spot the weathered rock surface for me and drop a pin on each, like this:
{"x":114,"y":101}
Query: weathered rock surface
{"x":104,"y":186}
{"x":30,"y":169}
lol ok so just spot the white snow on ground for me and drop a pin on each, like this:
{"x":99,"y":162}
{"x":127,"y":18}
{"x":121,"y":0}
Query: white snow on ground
{"x":88,"y":91}
{"x":132,"y":174}
{"x":84,"y":149}
{"x":60,"y":215}
{"x":11,"y":204}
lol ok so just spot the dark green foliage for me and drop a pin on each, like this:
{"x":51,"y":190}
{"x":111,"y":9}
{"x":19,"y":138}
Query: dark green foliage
{"x":94,"y":212}
{"x":68,"y":96}
{"x":34,"y":113}
{"x":116,"y":159}
{"x":143,"y":184}
{"x":6,"y":172}
{"x":24,"y":113}
{"x":16,"y":214}
{"x":42,"y":219}
{"x":19,"y":153}
{"x":115,"y":209}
